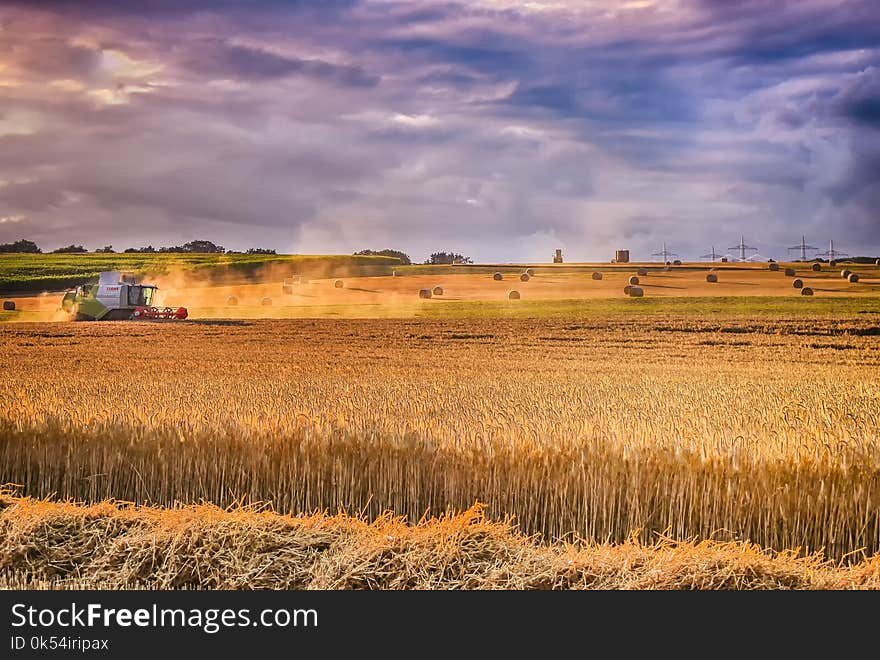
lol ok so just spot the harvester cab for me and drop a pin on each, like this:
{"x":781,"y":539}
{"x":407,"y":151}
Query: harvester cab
{"x":117,"y":297}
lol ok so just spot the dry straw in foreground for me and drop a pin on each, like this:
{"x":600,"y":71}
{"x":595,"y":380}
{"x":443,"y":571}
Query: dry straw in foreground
{"x":108,"y":546}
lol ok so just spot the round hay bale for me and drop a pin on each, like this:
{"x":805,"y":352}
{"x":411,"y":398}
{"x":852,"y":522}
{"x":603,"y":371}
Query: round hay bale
{"x":636,"y":292}
{"x":774,"y":266}
{"x":437,"y":290}
{"x":597,"y":276}
{"x":9,"y":305}
{"x":790,"y":272}
{"x":845,"y":273}
{"x":626,"y":289}
{"x":816,"y":267}
{"x":642,"y":271}
{"x":524,"y":277}
{"x":853,"y":278}
{"x":266,"y":301}
{"x":668,"y":263}
{"x":338,"y":284}
{"x":877,"y":263}
{"x":633,"y":280}
{"x":530,"y":272}
{"x":833,"y":263}
{"x":232,"y":301}
{"x":513,"y":295}
{"x":677,"y":262}
{"x":806,"y":291}
{"x":798,"y":284}
{"x":711,"y":277}
{"x":498,"y":277}
{"x":424,"y":293}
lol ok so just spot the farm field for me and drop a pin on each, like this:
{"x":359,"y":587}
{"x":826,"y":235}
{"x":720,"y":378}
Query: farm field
{"x":109,"y":546}
{"x":37,"y":273}
{"x":624,"y":439}
{"x":472,"y":292}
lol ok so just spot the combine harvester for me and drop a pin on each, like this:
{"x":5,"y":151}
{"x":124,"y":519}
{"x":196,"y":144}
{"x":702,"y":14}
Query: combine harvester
{"x":117,"y":298}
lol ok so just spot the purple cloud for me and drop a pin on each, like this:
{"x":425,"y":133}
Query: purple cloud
{"x":497,"y":128}
{"x":215,"y":58}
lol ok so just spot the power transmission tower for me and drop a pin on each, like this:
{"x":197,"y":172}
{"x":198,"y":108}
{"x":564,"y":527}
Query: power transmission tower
{"x":712,"y":255}
{"x":803,"y":247}
{"x":664,"y":253}
{"x":832,"y":254}
{"x":743,"y":249}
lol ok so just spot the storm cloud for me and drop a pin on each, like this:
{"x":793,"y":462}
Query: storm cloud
{"x":495,"y":128}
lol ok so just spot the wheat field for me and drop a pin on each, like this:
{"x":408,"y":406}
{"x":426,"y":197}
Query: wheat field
{"x":603,"y":430}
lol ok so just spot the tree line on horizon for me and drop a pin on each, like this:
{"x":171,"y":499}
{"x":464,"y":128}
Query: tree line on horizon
{"x":201,"y":247}
{"x":208,"y":247}
{"x":435,"y":258}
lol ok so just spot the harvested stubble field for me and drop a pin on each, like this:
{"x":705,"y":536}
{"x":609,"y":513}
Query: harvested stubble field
{"x":597,"y":430}
{"x":472,"y":293}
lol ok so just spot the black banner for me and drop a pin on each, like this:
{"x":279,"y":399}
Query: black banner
{"x":224,"y":624}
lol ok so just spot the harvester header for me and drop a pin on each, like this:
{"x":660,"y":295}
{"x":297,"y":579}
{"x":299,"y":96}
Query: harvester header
{"x":117,"y":297}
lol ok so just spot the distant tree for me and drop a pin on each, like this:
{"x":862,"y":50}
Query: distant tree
{"x":403,"y":256}
{"x":21,"y":247}
{"x":148,"y":249}
{"x":70,"y":249}
{"x":196,"y":246}
{"x":107,"y":249}
{"x":260,"y":251}
{"x":849,"y":260}
{"x":448,"y":258}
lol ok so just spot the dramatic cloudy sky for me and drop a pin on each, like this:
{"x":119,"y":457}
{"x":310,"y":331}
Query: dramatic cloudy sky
{"x":496,"y":128}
